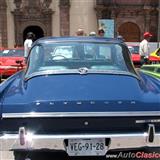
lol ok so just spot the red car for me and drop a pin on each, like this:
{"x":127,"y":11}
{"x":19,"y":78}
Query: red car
{"x":11,"y":61}
{"x":136,"y":58}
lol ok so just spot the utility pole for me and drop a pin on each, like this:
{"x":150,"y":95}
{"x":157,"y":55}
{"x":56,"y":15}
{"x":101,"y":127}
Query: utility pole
{"x":158,"y":38}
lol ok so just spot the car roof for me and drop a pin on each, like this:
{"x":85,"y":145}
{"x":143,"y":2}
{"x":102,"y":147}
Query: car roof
{"x":78,"y":38}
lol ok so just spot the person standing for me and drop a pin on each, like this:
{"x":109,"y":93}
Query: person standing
{"x":27,"y":44}
{"x":144,"y":49}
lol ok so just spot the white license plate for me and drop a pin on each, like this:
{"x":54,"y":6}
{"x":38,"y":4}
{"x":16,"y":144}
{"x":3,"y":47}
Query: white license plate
{"x":86,"y":147}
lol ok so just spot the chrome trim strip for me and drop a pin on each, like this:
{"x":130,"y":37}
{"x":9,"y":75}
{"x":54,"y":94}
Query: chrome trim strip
{"x":117,"y":141}
{"x":79,"y":114}
{"x":148,"y":121}
{"x":76,"y":71}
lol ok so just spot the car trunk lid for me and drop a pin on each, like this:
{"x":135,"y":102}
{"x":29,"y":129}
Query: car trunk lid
{"x":78,"y":93}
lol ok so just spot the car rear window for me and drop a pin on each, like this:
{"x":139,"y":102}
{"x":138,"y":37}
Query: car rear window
{"x":74,"y":55}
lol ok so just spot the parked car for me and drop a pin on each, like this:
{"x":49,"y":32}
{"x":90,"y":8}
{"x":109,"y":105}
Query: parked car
{"x":153,"y":69}
{"x":84,"y":104}
{"x":155,"y":56}
{"x":135,"y":56}
{"x":11,"y":61}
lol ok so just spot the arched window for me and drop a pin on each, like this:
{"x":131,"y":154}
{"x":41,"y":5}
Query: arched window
{"x":130,"y":32}
{"x":36,"y":30}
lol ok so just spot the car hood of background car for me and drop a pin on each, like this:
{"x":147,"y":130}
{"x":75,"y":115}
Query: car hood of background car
{"x":80,"y":93}
{"x":9,"y":61}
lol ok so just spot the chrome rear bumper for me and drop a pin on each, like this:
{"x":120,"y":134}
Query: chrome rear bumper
{"x":56,"y":142}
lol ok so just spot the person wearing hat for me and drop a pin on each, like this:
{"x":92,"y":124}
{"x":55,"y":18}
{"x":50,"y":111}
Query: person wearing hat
{"x":92,"y":33}
{"x":101,"y":32}
{"x":27,"y":44}
{"x":144,"y":49}
{"x":80,"y":32}
{"x":120,"y":38}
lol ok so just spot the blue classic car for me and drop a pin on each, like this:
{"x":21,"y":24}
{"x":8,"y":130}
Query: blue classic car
{"x":81,"y":96}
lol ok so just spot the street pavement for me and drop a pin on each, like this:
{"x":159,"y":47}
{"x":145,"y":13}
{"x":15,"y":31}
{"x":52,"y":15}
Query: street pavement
{"x":5,"y":155}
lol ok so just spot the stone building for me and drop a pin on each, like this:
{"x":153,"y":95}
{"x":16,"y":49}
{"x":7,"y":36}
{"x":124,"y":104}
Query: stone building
{"x":64,"y":17}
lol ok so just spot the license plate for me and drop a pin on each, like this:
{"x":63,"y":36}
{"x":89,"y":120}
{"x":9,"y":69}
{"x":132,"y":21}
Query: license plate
{"x":86,"y":147}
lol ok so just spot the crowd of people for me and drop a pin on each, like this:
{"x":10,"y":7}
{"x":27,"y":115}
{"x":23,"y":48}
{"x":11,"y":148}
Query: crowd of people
{"x":81,"y":32}
{"x":144,"y":48}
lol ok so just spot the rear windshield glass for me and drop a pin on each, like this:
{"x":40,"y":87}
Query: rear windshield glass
{"x":74,"y":55}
